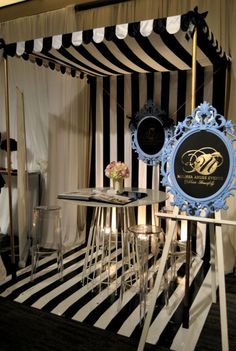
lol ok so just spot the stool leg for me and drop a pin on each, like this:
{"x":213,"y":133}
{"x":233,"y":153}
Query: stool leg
{"x":105,"y":233}
{"x":34,"y":262}
{"x":87,"y":268}
{"x":90,"y":237}
{"x":60,"y":263}
{"x":96,"y":246}
{"x":129,"y":245}
{"x":123,"y":243}
{"x":34,"y":248}
{"x":113,"y":242}
{"x":60,"y":266}
{"x":104,"y":244}
{"x":108,"y":244}
{"x":129,"y":273}
{"x":124,"y":248}
{"x":142,"y":257}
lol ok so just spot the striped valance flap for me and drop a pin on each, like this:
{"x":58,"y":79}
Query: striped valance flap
{"x":156,"y":45}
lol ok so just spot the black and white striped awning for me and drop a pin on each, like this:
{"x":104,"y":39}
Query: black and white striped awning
{"x":158,"y":45}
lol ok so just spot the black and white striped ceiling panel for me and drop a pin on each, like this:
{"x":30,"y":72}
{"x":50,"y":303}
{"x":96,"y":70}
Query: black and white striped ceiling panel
{"x":159,"y":45}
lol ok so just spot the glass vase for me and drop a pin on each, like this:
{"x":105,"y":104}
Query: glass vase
{"x":118,"y":185}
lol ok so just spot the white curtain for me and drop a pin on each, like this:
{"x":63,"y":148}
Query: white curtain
{"x":57,"y":139}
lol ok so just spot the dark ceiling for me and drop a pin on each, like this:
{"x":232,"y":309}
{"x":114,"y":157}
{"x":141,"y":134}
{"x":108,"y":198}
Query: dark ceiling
{"x":33,"y":7}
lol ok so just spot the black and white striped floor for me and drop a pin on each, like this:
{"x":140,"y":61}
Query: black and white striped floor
{"x":102,"y":308}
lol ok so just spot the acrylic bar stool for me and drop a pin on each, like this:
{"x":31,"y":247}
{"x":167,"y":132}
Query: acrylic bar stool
{"x":144,"y":245}
{"x":46,"y":237}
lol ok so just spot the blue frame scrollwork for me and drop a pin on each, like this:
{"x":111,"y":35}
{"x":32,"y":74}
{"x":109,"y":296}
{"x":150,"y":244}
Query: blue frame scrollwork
{"x":199,"y":162}
{"x":149,"y":129}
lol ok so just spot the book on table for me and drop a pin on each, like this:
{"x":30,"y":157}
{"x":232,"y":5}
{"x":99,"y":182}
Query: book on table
{"x":102,"y":196}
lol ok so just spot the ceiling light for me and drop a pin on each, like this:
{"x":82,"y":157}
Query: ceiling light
{"x":4,"y":3}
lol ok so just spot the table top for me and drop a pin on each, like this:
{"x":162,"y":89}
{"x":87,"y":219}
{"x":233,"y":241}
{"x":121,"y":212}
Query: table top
{"x":153,"y":197}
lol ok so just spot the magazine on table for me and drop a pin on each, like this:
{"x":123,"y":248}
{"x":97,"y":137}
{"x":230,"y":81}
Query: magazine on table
{"x":108,"y":196}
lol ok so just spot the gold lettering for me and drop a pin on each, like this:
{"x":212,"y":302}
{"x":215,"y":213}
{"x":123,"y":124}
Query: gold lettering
{"x":204,"y":161}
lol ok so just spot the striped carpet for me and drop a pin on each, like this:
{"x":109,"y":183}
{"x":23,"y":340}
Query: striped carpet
{"x":26,"y":328}
{"x":102,"y":309}
{"x":210,"y":339}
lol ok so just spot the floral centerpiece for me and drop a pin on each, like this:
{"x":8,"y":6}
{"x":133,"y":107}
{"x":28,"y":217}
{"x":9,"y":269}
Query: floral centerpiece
{"x":117,"y":171}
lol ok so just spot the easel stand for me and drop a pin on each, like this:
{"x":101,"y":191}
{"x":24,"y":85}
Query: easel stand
{"x":187,"y":277}
{"x":216,"y":252}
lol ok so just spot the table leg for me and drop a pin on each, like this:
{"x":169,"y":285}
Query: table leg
{"x":90,"y":247}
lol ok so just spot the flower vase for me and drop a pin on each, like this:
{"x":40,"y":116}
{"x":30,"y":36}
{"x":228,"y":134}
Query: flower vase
{"x":118,"y":185}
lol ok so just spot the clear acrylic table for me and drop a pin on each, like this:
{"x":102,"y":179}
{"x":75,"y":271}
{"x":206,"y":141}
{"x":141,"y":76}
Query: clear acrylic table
{"x":109,"y":224}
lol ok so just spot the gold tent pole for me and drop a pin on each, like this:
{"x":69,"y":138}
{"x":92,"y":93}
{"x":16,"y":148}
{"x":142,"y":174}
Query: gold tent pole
{"x":9,"y":183}
{"x":194,"y":65}
{"x":227,"y":89}
{"x":190,"y":224}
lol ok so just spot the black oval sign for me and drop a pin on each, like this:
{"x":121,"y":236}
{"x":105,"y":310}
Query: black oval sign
{"x":201,"y":164}
{"x":150,"y":135}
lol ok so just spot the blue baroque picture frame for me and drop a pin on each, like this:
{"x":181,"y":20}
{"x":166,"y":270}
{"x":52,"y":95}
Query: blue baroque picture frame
{"x":149,"y":129}
{"x":198,"y":162}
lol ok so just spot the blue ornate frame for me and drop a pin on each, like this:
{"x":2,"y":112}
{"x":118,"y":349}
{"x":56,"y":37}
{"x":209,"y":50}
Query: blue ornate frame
{"x":203,"y":118}
{"x":151,"y":112}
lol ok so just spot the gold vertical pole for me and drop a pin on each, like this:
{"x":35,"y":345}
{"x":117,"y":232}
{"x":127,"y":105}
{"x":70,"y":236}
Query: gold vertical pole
{"x":190,"y":225}
{"x":194,"y":60}
{"x":227,"y":89}
{"x":9,"y":183}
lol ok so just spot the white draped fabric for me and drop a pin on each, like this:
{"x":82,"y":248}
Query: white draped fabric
{"x":57,"y":139}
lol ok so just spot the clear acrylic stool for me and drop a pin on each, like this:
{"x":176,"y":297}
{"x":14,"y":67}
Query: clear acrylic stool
{"x":144,"y":245}
{"x":46,"y":236}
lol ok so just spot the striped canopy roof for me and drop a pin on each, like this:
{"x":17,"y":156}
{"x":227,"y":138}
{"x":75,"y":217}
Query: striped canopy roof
{"x":158,"y":45}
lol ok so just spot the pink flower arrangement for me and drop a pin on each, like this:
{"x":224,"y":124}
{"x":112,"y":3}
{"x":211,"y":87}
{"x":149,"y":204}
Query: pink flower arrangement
{"x":117,"y":170}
